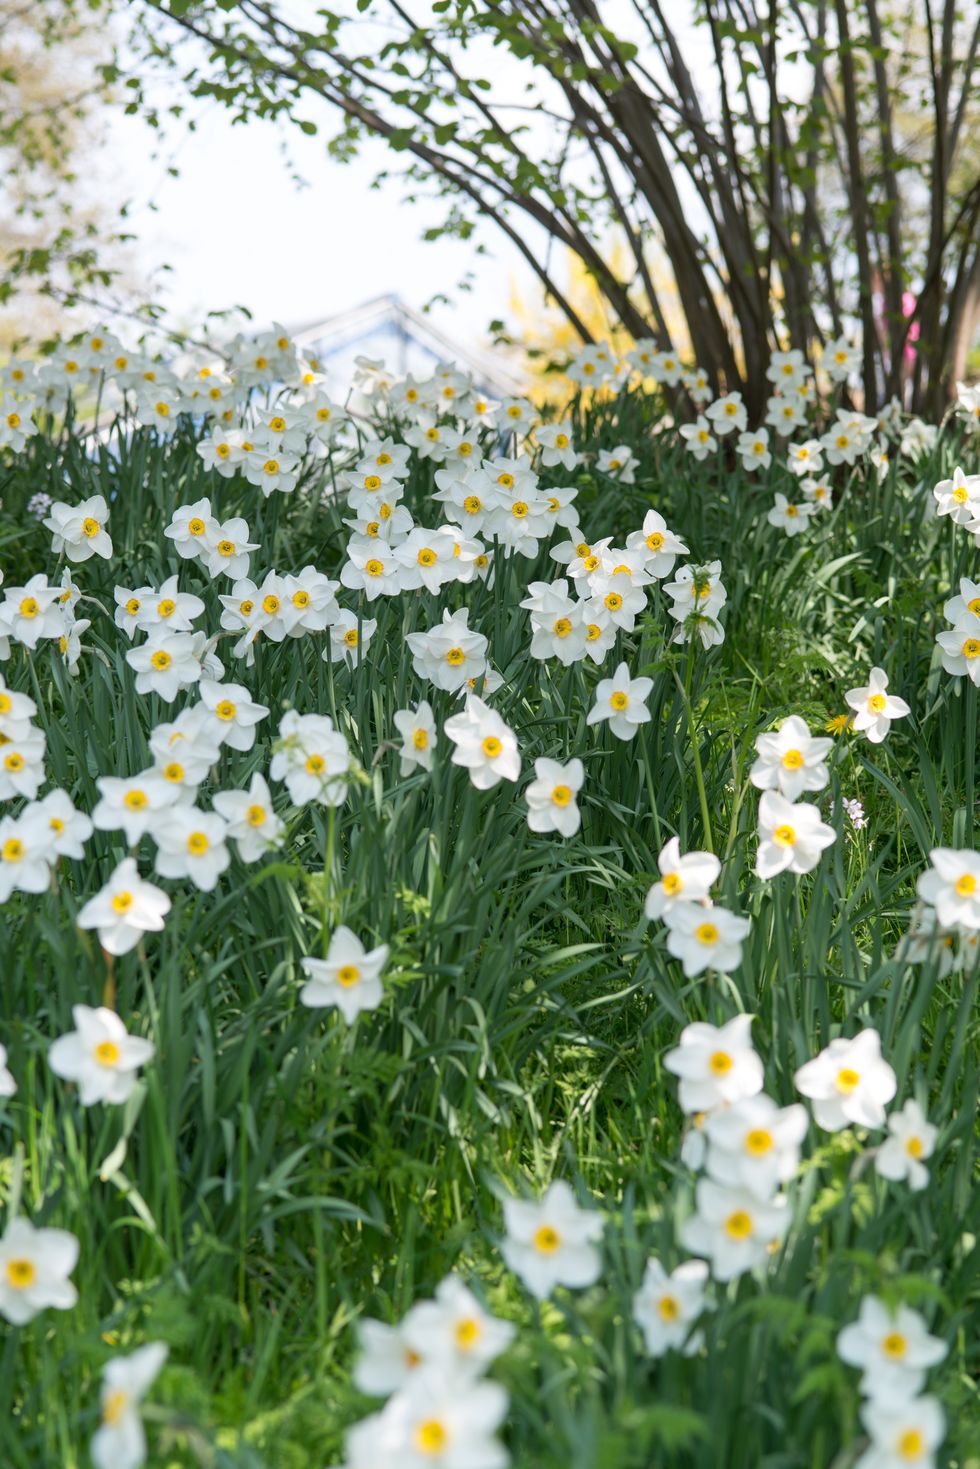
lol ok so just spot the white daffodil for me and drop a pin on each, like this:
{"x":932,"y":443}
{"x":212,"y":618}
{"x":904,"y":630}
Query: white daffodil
{"x":959,"y":497}
{"x":666,"y":1307}
{"x":26,"y":853}
{"x":705,"y":937}
{"x":791,"y":760}
{"x":312,"y":758}
{"x":120,"y":1441}
{"x":8,"y":1085}
{"x":436,"y":1420}
{"x":193,"y":530}
{"x":901,"y":1158}
{"x":349,"y":977}
{"x":755,"y":1144}
{"x":848,"y":1082}
{"x":659,"y":546}
{"x":386,"y":1360}
{"x":234,"y":714}
{"x":791,"y":837}
{"x":789,"y":516}
{"x":893,"y":1348}
{"x":553,"y":1241}
{"x":733,"y":1229}
{"x":34,"y":1268}
{"x":952,"y":887}
{"x":251,"y":821}
{"x":350,"y":637}
{"x":191,"y":843}
{"x":960,"y":648}
{"x":125,"y":909}
{"x":99,"y":1055}
{"x":551,"y":797}
{"x":454,"y":1332}
{"x":79,"y":530}
{"x":620,"y":700}
{"x":686,"y":879}
{"x":716,"y":1064}
{"x":417,"y":728}
{"x":448,"y":654}
{"x":905,"y":1434}
{"x":485,"y":745}
{"x":874,"y":707}
{"x":132,"y":804}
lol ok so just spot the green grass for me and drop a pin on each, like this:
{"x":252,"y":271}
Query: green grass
{"x":279,"y":1175}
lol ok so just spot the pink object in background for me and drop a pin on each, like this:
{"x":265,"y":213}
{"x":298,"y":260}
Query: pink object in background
{"x":908,"y":306}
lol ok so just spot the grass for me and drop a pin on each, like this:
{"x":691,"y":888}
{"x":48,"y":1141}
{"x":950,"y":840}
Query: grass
{"x":278,"y":1175}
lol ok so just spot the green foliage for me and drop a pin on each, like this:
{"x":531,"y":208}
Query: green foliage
{"x":276,"y":1175}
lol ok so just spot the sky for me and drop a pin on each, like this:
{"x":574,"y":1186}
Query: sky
{"x":236,"y":230}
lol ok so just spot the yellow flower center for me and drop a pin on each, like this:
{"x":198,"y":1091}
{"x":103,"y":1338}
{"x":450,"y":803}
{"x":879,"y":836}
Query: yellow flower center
{"x":758,"y":1142}
{"x":519,"y":509}
{"x":426,"y":557}
{"x":738,"y":1225}
{"x":468,"y":1333}
{"x":561,"y":795}
{"x":593,"y":632}
{"x":135,"y":800}
{"x":491,"y":747}
{"x":792,"y":511}
{"x":668,"y":1309}
{"x":619,"y":700}
{"x":672,"y":883}
{"x":301,"y":598}
{"x":966,"y":885}
{"x":14,"y":761}
{"x":350,"y":637}
{"x":707,"y":933}
{"x":613,"y":601}
{"x":161,"y":660}
{"x":507,"y":480}
{"x":912,"y":1444}
{"x":90,"y":527}
{"x":226,"y":548}
{"x":561,"y":441}
{"x":56,"y":825}
{"x":347,"y":975}
{"x":971,"y":648}
{"x":431,"y":1437}
{"x":107,"y":1053}
{"x":784,"y":836}
{"x":271,"y":466}
{"x":455,"y":657}
{"x":13,"y":850}
{"x":876,"y":703}
{"x":245,"y":608}
{"x":562,"y":627}
{"x":163,"y":409}
{"x":21,"y":1273}
{"x":315,"y":765}
{"x":894,"y":1345}
{"x":793,"y":760}
{"x":226,"y":710}
{"x":546,"y":1239}
{"x":654,"y":541}
{"x":374,"y":568}
{"x":270,"y":604}
{"x":720,"y":1062}
{"x":29,"y":607}
{"x":166,"y":608}
{"x":197,"y":844}
{"x":173,"y":772}
{"x":914,"y":1147}
{"x":420,"y":739}
{"x":848,"y":1079}
{"x":122,"y":902}
{"x":255,"y":815}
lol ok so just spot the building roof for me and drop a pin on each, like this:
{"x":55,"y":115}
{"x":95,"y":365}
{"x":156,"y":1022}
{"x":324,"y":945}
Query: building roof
{"x":406,"y":340}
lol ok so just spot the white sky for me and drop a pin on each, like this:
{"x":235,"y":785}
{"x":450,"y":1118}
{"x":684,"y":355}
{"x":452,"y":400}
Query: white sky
{"x":236,"y":229}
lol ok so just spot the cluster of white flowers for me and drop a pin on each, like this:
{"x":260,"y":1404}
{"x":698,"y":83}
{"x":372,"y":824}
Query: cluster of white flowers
{"x":431,"y":1367}
{"x":700,"y":933}
{"x":894,"y":1351}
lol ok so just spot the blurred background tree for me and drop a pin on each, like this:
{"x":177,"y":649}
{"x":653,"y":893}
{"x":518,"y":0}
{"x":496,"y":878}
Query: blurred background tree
{"x":794,"y":171}
{"x":59,"y":221}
